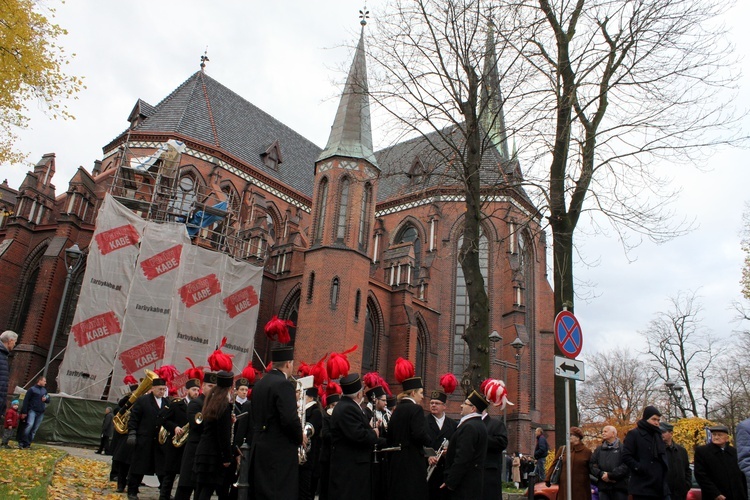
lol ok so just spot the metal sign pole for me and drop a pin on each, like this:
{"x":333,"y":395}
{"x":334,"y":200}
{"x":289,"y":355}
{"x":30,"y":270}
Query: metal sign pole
{"x":568,"y":486}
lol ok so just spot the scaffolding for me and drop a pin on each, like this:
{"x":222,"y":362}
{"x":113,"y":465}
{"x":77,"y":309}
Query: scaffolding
{"x":154,"y":188}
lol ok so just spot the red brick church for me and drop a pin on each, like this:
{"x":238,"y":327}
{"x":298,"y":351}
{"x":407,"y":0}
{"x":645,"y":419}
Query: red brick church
{"x":358,"y":246}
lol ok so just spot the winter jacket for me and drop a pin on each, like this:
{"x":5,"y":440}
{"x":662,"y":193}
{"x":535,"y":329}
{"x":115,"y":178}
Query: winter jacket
{"x":542,"y":447}
{"x":645,"y":454}
{"x":36,"y":400}
{"x":679,"y":477}
{"x":608,"y":458}
{"x":580,"y":483}
{"x":4,"y":377}
{"x":742,"y":438}
{"x":11,"y":418}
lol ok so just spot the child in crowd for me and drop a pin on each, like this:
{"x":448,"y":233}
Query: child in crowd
{"x":11,"y":422}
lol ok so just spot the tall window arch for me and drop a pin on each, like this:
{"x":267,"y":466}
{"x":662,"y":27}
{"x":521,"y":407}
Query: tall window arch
{"x":335,"y":286}
{"x":185,"y":195}
{"x":410,"y":234}
{"x":322,"y":202}
{"x":26,"y":290}
{"x":421,"y":364}
{"x":343,"y":209}
{"x":461,"y":310}
{"x":290,"y":311}
{"x":364,"y":220}
{"x":373,"y":328}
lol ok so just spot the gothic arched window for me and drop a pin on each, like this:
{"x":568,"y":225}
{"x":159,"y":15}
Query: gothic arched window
{"x":343,"y":209}
{"x":322,"y":201}
{"x":364,"y":218}
{"x":369,"y":344}
{"x":409,"y":234}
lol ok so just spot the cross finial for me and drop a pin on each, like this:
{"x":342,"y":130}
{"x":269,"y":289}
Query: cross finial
{"x":204,"y":59}
{"x":364,"y":15}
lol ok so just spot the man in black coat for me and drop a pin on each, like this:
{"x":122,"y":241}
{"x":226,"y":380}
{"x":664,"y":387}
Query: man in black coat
{"x":679,"y":476}
{"x":497,"y":441}
{"x":143,"y":428}
{"x":243,"y":431}
{"x":607,"y":467}
{"x":467,"y":451}
{"x":174,"y":418}
{"x":309,"y":472}
{"x":717,"y":470}
{"x":646,"y":457}
{"x":108,"y":430}
{"x":325,"y":446}
{"x":186,"y":484}
{"x":440,"y":427}
{"x":352,"y":444}
{"x":541,"y":449}
{"x":274,"y":463}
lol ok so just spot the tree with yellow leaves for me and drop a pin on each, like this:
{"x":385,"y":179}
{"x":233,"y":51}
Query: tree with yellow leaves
{"x":691,"y":432}
{"x":31,"y":65}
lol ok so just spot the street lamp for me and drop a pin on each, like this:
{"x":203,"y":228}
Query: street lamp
{"x":674,"y":390}
{"x":73,"y":261}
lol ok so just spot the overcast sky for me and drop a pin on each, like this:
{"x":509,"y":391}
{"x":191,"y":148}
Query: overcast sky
{"x":287,"y":58}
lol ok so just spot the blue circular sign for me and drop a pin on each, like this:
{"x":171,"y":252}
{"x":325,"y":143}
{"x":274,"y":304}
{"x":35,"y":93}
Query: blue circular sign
{"x":568,"y":334}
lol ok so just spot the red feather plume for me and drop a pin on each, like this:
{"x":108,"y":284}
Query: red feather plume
{"x":303,"y":370}
{"x":269,"y":366}
{"x":129,"y":380}
{"x":333,"y":388}
{"x":219,"y":360}
{"x":168,"y":373}
{"x":318,"y":371}
{"x":449,"y":383}
{"x":278,"y":329}
{"x":338,"y":364}
{"x":404,"y":369}
{"x":193,"y":371}
{"x":249,"y":373}
{"x":495,"y":392}
{"x":371,"y":379}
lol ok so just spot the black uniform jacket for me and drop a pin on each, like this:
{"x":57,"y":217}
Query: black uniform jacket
{"x":243,"y":427}
{"x":194,"y":407}
{"x":169,"y":458}
{"x":407,"y":473}
{"x":718,"y":472}
{"x":437,"y":435}
{"x":464,"y":465}
{"x":120,"y":451}
{"x":314,"y":417}
{"x":145,"y":423}
{"x":352,"y":444}
{"x":497,"y":441}
{"x":214,"y":449}
{"x":276,"y":438}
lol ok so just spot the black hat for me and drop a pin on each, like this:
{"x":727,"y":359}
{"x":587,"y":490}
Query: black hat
{"x":411,"y":384}
{"x":650,"y":411}
{"x":280,"y":354}
{"x":240,"y":382}
{"x":719,"y":428}
{"x":391,"y":401}
{"x":376,"y":392}
{"x":478,"y":401}
{"x":351,"y":384}
{"x":312,"y":392}
{"x":439,"y":395}
{"x":224,"y":379}
{"x":210,"y":378}
{"x":133,"y":387}
{"x":333,"y":398}
{"x":666,"y":427}
{"x":158,"y":381}
{"x":193,"y":382}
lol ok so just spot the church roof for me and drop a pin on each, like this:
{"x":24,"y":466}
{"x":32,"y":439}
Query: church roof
{"x":351,"y":133}
{"x":203,"y":109}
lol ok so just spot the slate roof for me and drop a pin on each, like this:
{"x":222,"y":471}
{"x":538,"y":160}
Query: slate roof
{"x":432,"y":150}
{"x":206,"y":110}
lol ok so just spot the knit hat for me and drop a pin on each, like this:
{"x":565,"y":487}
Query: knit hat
{"x":14,"y":402}
{"x":650,"y":411}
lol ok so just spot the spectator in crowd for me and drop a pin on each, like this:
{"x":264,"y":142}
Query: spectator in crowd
{"x":717,"y":470}
{"x":7,"y":342}
{"x":108,"y":429}
{"x":679,"y":477}
{"x":516,"y":475}
{"x":742,"y":438}
{"x":646,"y":456}
{"x":34,"y":404}
{"x":11,"y":422}
{"x":580,"y":459}
{"x":608,"y":468}
{"x":540,"y":452}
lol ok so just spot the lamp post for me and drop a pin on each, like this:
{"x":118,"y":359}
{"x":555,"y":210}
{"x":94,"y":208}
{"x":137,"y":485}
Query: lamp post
{"x":73,"y":261}
{"x":674,"y":390}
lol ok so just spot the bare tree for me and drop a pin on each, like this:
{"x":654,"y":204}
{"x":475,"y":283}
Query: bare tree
{"x":731,"y":381}
{"x":682,"y":351}
{"x":617,"y":388}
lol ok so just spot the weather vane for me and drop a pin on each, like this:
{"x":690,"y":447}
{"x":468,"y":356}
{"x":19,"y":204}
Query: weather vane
{"x":204,"y":59}
{"x":364,"y":15}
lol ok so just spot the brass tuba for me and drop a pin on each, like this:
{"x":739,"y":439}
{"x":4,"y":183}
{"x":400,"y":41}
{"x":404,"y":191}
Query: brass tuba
{"x":179,"y":441}
{"x":123,"y":416}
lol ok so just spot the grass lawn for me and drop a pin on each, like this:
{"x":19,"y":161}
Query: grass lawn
{"x":27,"y":473}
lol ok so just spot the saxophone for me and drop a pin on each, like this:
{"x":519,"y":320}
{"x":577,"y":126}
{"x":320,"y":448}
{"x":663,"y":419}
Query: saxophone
{"x":122,"y":418}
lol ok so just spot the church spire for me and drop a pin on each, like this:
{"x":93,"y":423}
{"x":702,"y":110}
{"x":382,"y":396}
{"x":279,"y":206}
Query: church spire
{"x":351,"y":134}
{"x":491,"y":102}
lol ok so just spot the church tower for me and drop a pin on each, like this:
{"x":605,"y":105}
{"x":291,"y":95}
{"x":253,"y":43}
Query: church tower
{"x":337,"y":268}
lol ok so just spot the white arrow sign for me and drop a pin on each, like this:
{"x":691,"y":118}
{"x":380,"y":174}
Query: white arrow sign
{"x":569,"y":368}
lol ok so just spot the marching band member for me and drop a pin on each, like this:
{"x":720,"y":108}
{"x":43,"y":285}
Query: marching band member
{"x":352,"y":442}
{"x":334,"y":396}
{"x":407,"y":477}
{"x":375,"y":410}
{"x":277,"y":435}
{"x":241,"y":409}
{"x":121,"y":454}
{"x":497,"y":439}
{"x":440,"y":427}
{"x":142,"y":433}
{"x":310,"y":471}
{"x":213,"y":456}
{"x":174,"y":419}
{"x":467,"y":449}
{"x":186,"y":484}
